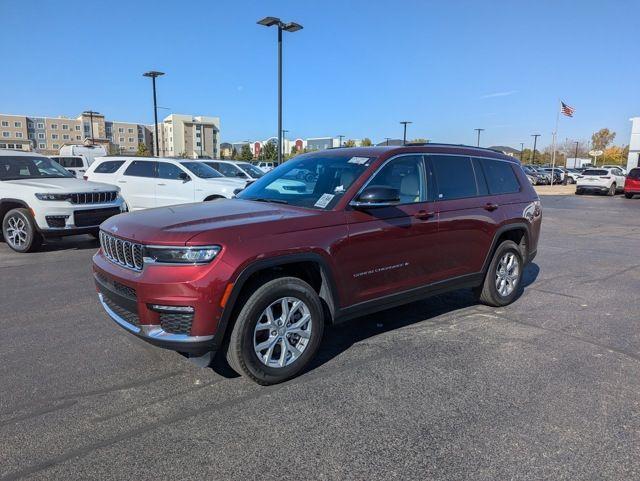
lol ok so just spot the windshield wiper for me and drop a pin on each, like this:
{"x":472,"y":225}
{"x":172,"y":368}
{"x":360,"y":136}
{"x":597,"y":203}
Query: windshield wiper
{"x":275,"y":201}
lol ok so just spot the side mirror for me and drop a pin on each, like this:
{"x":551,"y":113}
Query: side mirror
{"x":241,"y":174}
{"x":376,"y":196}
{"x":184,"y":177}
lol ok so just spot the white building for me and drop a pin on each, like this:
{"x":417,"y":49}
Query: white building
{"x":189,"y":136}
{"x":634,"y":144}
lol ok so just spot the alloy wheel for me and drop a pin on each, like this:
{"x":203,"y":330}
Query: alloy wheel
{"x":282,"y":332}
{"x":17,"y":233}
{"x":507,"y":274}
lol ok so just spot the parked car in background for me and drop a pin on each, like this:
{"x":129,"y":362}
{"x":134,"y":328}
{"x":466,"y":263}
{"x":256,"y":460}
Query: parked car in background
{"x":604,"y":181}
{"x":613,"y":166}
{"x":88,"y":153}
{"x":632,"y":183}
{"x":266,"y":166}
{"x":556,"y":173}
{"x":535,"y":177}
{"x":77,"y":165}
{"x":572,"y":175}
{"x":249,"y":172}
{"x":259,"y":276}
{"x":147,"y":182}
{"x":40,"y":199}
{"x":543,"y":177}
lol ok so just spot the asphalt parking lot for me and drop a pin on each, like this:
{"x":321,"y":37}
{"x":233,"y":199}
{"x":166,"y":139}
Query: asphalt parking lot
{"x":547,"y":388}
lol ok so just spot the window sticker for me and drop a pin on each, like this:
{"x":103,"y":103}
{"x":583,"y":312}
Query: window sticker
{"x":358,"y":160}
{"x":324,"y":200}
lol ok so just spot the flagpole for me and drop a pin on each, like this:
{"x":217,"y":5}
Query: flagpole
{"x":553,"y":155}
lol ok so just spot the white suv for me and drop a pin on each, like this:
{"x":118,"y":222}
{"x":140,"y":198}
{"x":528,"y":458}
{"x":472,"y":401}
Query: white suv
{"x":604,"y":180}
{"x":39,"y":199}
{"x":147,"y":182}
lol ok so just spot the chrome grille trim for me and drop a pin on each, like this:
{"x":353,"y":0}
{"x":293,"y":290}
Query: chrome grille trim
{"x":124,"y":253}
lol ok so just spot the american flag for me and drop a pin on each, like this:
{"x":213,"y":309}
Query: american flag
{"x":566,"y":109}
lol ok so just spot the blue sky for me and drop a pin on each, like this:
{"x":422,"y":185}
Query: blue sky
{"x":356,"y":69}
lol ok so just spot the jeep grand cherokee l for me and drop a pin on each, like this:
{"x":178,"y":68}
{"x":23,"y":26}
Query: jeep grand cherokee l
{"x":257,"y":277}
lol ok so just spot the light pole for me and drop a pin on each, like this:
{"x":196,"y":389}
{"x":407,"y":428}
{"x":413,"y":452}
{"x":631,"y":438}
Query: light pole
{"x":155,"y":74}
{"x":478,"y":130}
{"x":535,"y":141}
{"x":575,"y":161}
{"x":91,"y":114}
{"x":287,"y":27}
{"x":521,"y":150}
{"x":404,"y":137}
{"x":387,"y":139}
{"x":340,"y":137}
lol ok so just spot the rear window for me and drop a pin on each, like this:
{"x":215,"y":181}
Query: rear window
{"x":595,"y":172}
{"x":454,"y":176}
{"x":108,"y":167}
{"x":634,"y":174}
{"x":500,"y":176}
{"x":69,"y":161}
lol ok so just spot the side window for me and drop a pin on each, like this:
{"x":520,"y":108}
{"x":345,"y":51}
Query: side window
{"x":141,"y":168}
{"x":406,"y":174}
{"x":168,"y":171}
{"x":454,"y":177}
{"x":500,"y":176}
{"x":481,"y":180}
{"x":108,"y":167}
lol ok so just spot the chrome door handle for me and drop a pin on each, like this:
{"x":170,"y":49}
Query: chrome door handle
{"x":490,"y":207}
{"x":423,"y":215}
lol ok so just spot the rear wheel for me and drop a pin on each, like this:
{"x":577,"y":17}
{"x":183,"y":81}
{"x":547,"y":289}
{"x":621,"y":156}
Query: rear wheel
{"x":628,"y":195}
{"x":277,"y":332}
{"x":579,"y":192}
{"x":20,"y":232}
{"x":503,"y":278}
{"x":612,"y":190}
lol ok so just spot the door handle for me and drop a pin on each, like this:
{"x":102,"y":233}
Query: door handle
{"x":122,"y":182}
{"x":490,"y":206}
{"x":423,"y":215}
{"x":162,"y":184}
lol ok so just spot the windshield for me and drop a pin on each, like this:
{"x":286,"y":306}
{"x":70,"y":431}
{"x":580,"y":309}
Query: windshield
{"x":253,"y":171}
{"x":16,"y":168}
{"x":202,"y":170}
{"x":316,"y":181}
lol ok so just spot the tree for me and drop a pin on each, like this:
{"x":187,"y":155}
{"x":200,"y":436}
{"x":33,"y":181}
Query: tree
{"x":602,"y":139}
{"x":142,"y":150}
{"x":568,"y":147}
{"x":615,"y":155}
{"x":245,"y":153}
{"x":366,"y":142}
{"x":234,"y":154}
{"x":349,"y":143}
{"x":269,"y":151}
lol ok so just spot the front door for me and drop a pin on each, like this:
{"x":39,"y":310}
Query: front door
{"x":392,"y":249}
{"x":173,"y":185}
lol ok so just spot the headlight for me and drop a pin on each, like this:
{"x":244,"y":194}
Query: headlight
{"x":180,"y":255}
{"x":52,"y":196}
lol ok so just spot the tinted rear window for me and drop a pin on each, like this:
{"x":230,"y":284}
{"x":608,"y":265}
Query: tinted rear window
{"x":108,"y":167}
{"x":500,"y":176}
{"x":595,"y":172}
{"x":634,"y":174}
{"x":69,"y":161}
{"x":140,"y":168}
{"x":454,"y":176}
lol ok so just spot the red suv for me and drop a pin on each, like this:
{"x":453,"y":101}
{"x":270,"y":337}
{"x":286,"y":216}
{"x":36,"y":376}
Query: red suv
{"x":258,"y":276}
{"x":632,"y":183}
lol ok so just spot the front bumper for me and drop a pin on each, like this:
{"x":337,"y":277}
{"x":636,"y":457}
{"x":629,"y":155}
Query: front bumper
{"x":61,"y":218}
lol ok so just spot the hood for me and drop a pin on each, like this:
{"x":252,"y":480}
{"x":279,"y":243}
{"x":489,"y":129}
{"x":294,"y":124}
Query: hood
{"x":224,"y":218}
{"x":61,"y":185}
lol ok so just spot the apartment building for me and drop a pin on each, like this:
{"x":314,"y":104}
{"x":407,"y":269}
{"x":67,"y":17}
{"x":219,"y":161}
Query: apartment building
{"x":189,"y":136}
{"x":47,"y":134}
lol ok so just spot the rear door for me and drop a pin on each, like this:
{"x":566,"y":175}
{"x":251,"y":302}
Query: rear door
{"x":392,"y":249}
{"x":468,"y":215}
{"x":170,"y":188}
{"x":138,"y":184}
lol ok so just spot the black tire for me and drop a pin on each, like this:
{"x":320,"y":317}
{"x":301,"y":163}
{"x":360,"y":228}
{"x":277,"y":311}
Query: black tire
{"x":579,"y":192}
{"x":30,"y":240}
{"x":488,"y":293}
{"x":628,"y":195}
{"x":241,"y":354}
{"x":612,"y":190}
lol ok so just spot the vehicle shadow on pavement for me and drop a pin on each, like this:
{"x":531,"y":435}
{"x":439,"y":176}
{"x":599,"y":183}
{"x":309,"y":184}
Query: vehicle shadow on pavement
{"x":79,"y":242}
{"x":339,"y":338}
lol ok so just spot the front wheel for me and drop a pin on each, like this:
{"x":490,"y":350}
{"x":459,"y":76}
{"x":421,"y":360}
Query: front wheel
{"x":277,"y":332}
{"x":20,"y":232}
{"x":503,"y":278}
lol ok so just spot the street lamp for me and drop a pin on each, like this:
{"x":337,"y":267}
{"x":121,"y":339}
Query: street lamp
{"x":154,"y":74}
{"x":387,"y":139}
{"x":521,"y":150}
{"x":404,"y":137}
{"x":535,"y":141}
{"x":287,"y":27}
{"x":478,"y":130}
{"x":575,"y":161}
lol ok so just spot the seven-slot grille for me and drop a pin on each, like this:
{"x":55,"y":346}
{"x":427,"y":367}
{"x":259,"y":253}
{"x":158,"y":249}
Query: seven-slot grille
{"x":121,"y":252}
{"x":93,"y":197}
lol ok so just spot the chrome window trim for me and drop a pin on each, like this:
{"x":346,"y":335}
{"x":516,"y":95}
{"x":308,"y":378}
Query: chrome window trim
{"x":150,"y":331}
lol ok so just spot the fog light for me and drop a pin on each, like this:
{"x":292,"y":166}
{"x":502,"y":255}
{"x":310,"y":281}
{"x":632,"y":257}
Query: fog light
{"x":161,"y":308}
